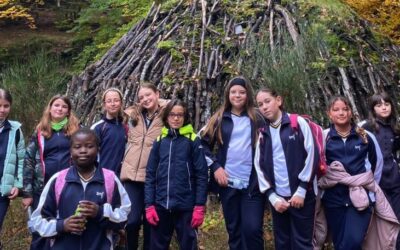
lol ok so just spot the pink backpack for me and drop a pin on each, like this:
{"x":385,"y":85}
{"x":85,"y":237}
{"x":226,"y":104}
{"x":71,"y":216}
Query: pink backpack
{"x":109,"y":184}
{"x":317,"y":133}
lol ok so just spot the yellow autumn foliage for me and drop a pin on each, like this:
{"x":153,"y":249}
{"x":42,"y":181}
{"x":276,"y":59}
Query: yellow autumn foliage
{"x":385,"y":14}
{"x":16,"y":11}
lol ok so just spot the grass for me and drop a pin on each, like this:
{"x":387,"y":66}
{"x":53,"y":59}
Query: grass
{"x":212,"y":234}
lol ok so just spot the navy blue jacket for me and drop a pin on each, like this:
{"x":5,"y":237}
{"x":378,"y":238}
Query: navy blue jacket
{"x":219,"y":159}
{"x":56,"y":154}
{"x":295,"y":156}
{"x":112,"y":135}
{"x":389,"y":144}
{"x":94,"y":237}
{"x":176,"y":173}
{"x":356,"y":157}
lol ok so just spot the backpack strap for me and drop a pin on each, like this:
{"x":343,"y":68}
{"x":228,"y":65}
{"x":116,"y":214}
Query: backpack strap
{"x":41,"y":149}
{"x":60,"y":183}
{"x":109,"y":183}
{"x":293,"y":122}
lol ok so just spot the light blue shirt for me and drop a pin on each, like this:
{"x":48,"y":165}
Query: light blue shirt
{"x":239,"y":159}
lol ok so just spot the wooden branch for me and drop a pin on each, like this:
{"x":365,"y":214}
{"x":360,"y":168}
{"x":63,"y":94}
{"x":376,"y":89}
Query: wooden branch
{"x":290,"y":23}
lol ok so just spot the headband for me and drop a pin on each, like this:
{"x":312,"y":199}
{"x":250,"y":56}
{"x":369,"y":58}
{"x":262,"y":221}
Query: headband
{"x":238,"y":81}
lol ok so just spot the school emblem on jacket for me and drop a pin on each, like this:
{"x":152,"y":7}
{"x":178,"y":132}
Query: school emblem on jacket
{"x":101,"y":194}
{"x":358,"y":147}
{"x":292,"y":137}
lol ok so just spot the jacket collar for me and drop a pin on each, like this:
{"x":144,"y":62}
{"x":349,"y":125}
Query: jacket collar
{"x":72,"y":175}
{"x":334,"y":133}
{"x":113,"y":121}
{"x":185,"y":130}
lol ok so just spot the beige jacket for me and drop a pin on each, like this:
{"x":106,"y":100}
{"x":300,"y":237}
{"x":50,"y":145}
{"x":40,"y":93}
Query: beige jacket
{"x":140,"y":142}
{"x":384,"y":226}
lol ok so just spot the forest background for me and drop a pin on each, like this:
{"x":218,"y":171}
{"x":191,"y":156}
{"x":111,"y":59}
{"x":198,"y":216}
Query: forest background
{"x":43,"y":44}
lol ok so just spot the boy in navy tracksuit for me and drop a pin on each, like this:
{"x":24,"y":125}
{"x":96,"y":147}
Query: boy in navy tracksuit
{"x":176,"y":182}
{"x":81,"y":213}
{"x":111,"y":130}
{"x":285,"y":162}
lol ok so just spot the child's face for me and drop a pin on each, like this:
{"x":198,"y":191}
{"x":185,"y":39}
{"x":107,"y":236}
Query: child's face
{"x":148,"y":99}
{"x":5,"y":107}
{"x":269,"y":105}
{"x":176,"y":117}
{"x":237,"y":97}
{"x":84,"y":150}
{"x":112,"y":103}
{"x":383,"y":109}
{"x":340,"y":114}
{"x":58,"y":110}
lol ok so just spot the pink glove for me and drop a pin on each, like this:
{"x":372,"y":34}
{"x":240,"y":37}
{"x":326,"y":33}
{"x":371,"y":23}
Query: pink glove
{"x":198,"y":216}
{"x":151,"y":215}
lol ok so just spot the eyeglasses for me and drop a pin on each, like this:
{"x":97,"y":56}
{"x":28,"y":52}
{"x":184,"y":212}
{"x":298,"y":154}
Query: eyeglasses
{"x":176,"y":115}
{"x":109,"y":101}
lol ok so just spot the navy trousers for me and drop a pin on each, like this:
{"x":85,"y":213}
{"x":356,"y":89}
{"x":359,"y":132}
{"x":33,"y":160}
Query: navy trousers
{"x":348,"y":226}
{"x":168,"y":221}
{"x":136,"y":217}
{"x":4,"y":204}
{"x":393,"y":196}
{"x":294,"y":228}
{"x":37,"y":243}
{"x":244,"y":218}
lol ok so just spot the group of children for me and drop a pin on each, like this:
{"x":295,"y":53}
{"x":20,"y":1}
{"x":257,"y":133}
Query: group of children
{"x":81,"y":183}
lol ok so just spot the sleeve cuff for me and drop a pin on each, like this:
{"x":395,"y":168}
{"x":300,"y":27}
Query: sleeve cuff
{"x":300,"y":192}
{"x":274,"y":198}
{"x":303,"y":184}
{"x":60,"y":226}
{"x":215,"y":166}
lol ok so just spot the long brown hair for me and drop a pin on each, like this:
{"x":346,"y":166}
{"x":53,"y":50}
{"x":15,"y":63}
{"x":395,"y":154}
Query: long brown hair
{"x":213,"y":128}
{"x":45,"y":122}
{"x":392,"y":119}
{"x":147,"y":85}
{"x":359,"y":130}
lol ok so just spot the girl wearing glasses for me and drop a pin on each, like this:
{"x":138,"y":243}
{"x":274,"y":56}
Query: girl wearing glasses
{"x":176,"y":181}
{"x":111,"y":131}
{"x":233,"y":128}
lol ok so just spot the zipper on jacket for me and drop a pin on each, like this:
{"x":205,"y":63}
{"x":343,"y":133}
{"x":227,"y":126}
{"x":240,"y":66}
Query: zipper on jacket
{"x":190,"y":184}
{"x":169,"y":167}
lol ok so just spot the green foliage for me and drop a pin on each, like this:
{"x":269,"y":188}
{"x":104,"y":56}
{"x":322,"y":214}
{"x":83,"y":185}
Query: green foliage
{"x":32,"y":82}
{"x":245,"y":9}
{"x":166,"y":45}
{"x":284,"y":69}
{"x":101,"y":24}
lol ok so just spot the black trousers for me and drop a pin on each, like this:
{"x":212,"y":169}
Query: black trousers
{"x":169,"y":221}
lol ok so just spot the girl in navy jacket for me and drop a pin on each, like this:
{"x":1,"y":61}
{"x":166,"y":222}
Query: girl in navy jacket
{"x":176,"y":181}
{"x":47,"y":152}
{"x":285,"y":162}
{"x":383,"y":124}
{"x":111,"y":130}
{"x":12,"y":150}
{"x":233,"y":129}
{"x":359,"y":152}
{"x":80,"y":214}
